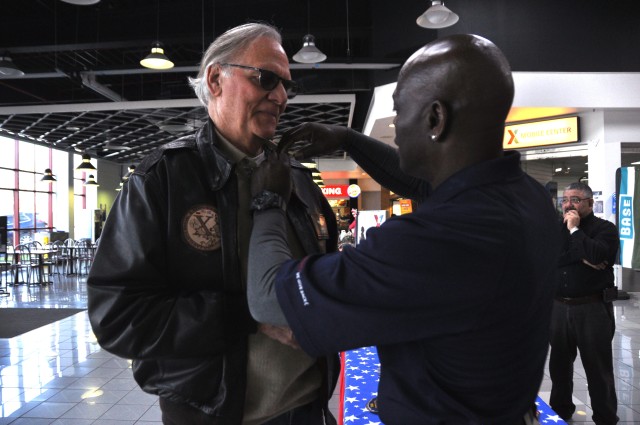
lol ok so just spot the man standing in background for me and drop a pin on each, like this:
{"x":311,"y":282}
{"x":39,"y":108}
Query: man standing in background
{"x":583,"y":317}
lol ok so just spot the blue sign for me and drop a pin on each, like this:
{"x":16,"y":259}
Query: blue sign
{"x":626,"y":217}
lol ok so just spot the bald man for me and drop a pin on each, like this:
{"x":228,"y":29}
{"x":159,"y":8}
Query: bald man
{"x":456,"y":295}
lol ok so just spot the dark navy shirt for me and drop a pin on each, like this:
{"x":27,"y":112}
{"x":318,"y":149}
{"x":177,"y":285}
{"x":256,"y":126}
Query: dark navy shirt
{"x":456,"y":296}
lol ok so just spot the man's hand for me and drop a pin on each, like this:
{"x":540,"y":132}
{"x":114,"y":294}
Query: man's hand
{"x":600,"y":266}
{"x":274,"y":175}
{"x":571,"y":218}
{"x":281,"y":334}
{"x":320,"y":139}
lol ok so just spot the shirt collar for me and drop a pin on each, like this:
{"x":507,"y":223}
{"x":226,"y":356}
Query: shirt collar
{"x":234,"y":154}
{"x":498,"y":169}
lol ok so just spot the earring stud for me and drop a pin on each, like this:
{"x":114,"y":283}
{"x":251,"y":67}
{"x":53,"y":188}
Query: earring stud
{"x":434,"y":137}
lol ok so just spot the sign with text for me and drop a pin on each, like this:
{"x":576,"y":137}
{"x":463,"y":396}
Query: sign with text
{"x":336,"y":191}
{"x":628,"y":193}
{"x":541,"y":133}
{"x":405,"y":206}
{"x":626,"y":217}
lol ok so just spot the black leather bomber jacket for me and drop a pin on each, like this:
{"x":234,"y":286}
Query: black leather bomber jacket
{"x":165,"y":287}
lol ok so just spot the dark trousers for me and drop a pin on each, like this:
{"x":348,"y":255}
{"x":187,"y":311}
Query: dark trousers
{"x":589,"y":328}
{"x":183,"y":414}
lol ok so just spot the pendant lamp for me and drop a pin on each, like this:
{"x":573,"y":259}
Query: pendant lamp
{"x":8,"y":68}
{"x":309,"y":53}
{"x":85,"y":164}
{"x":48,"y":176}
{"x":437,"y":16}
{"x":82,"y":2}
{"x":130,"y":171}
{"x":91,"y":181}
{"x":157,"y":59}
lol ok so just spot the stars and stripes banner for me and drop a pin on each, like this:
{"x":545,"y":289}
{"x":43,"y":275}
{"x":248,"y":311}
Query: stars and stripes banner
{"x":361,"y":370}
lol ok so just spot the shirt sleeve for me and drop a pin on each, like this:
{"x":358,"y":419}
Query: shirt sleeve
{"x":268,"y":249}
{"x":376,"y":293}
{"x":382,"y":163}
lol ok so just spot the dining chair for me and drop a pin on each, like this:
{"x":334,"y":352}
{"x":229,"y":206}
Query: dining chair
{"x":66,"y":256}
{"x":83,"y":255}
{"x":21,"y":266}
{"x":5,"y":271}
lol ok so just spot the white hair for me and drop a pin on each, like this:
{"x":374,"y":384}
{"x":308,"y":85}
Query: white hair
{"x":226,"y":48}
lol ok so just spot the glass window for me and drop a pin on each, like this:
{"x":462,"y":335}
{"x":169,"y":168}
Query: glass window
{"x":42,"y":210}
{"x":27,"y":180}
{"x":60,"y":209}
{"x":8,"y":149}
{"x":6,"y":209}
{"x":7,"y":178}
{"x":26,"y":156}
{"x":32,"y":201}
{"x":41,"y":159}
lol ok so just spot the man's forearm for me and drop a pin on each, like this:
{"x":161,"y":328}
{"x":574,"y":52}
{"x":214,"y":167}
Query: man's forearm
{"x":267,"y":251}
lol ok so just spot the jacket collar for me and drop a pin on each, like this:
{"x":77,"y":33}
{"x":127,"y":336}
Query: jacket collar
{"x":218,"y":168}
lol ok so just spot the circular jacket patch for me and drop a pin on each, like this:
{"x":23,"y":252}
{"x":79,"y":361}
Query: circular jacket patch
{"x":201,"y":228}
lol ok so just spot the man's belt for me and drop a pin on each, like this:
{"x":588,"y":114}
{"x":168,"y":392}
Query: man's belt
{"x":580,"y":300}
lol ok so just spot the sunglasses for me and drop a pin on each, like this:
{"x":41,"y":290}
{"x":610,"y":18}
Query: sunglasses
{"x":269,"y":80}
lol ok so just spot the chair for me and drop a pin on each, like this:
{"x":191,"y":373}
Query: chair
{"x":56,"y":256}
{"x":83,"y":255}
{"x":5,"y":270}
{"x":21,"y":264}
{"x":65,"y":256}
{"x":34,"y":245}
{"x":45,"y":263}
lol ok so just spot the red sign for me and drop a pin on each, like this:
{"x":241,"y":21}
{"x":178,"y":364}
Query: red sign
{"x":335,"y":191}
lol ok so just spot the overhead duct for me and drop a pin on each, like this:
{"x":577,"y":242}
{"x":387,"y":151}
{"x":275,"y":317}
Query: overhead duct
{"x":89,"y":81}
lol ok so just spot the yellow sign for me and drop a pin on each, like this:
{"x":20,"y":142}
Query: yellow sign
{"x":353,"y":191}
{"x":541,"y":133}
{"x":405,"y":206}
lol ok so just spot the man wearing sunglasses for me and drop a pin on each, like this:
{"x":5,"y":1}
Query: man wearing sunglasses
{"x":168,"y":285}
{"x":583,"y":318}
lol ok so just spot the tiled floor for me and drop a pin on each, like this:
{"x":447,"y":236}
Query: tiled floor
{"x":58,"y":374}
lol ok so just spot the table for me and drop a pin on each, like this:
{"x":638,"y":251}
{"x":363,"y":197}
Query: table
{"x":359,"y":384}
{"x":41,"y":263}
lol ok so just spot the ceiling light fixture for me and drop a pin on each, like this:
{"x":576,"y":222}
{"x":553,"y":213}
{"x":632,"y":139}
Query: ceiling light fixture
{"x":91,"y":181}
{"x":85,"y":164}
{"x":82,"y":2}
{"x":309,"y":53}
{"x":157,"y":59}
{"x":130,"y":171}
{"x":8,"y":69}
{"x":48,"y":176}
{"x":176,"y":126}
{"x":437,"y":16}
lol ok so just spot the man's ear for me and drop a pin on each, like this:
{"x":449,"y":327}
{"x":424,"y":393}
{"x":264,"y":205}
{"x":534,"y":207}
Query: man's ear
{"x":437,"y":116}
{"x":214,"y":75}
